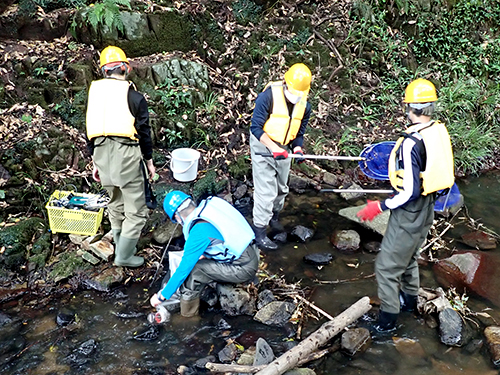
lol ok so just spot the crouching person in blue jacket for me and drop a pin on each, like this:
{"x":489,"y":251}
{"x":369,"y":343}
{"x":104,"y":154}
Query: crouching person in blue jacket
{"x":219,"y":247}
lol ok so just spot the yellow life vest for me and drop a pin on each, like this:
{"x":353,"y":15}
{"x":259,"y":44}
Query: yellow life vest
{"x":439,"y":168}
{"x":281,"y":127}
{"x":108,"y":113}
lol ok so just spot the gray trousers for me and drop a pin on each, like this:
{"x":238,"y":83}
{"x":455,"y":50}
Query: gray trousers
{"x":396,"y":266}
{"x":207,"y":270}
{"x":270,"y":179}
{"x":119,"y":167}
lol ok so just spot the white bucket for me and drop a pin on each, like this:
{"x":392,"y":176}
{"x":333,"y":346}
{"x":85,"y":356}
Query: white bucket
{"x":184,"y":164}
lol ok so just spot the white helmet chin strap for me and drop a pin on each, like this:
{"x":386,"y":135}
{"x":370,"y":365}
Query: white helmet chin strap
{"x":294,"y":99}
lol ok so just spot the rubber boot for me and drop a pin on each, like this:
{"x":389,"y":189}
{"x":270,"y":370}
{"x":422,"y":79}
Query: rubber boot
{"x":275,"y":223}
{"x":262,"y":241}
{"x":190,"y":307}
{"x":408,"y":302}
{"x":116,"y":235}
{"x":125,"y":253}
{"x":386,"y":323}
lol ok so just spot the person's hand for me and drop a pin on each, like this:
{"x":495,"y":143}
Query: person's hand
{"x":151,"y":169}
{"x":95,"y":174}
{"x":280,"y":155}
{"x":154,"y":301}
{"x":299,"y":153}
{"x":371,"y":210}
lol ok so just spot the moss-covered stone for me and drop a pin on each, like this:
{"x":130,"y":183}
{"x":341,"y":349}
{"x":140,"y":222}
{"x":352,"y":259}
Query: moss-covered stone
{"x":67,"y":265}
{"x":208,"y":185}
{"x":240,"y":167}
{"x":17,"y":238}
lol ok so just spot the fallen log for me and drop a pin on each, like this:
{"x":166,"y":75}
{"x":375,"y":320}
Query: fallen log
{"x":225,"y":368}
{"x":320,"y":337}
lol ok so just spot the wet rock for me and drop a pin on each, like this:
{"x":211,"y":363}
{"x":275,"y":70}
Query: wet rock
{"x":235,"y":301}
{"x":240,"y":191}
{"x":222,"y":324}
{"x":379,"y":224}
{"x":63,"y":319}
{"x":300,"y":371}
{"x":4,"y":319}
{"x":104,"y":280}
{"x":298,"y":183}
{"x":244,"y":206}
{"x":149,"y":334}
{"x":453,"y":330}
{"x":263,"y":353}
{"x":280,"y":237}
{"x":129,"y":314}
{"x":318,"y":258}
{"x":228,"y":354}
{"x":355,"y":341}
{"x":474,"y":346}
{"x":346,"y":240}
{"x":276,"y":313}
{"x":302,"y":233}
{"x":80,"y":355}
{"x":492,"y":335}
{"x":476,"y":271}
{"x":77,"y":239}
{"x":246,"y":358}
{"x":88,"y":257}
{"x":372,"y":246}
{"x":331,"y":179}
{"x":103,"y":249}
{"x":480,"y":240}
{"x":351,"y":196}
{"x":409,"y":347}
{"x":165,"y":231}
{"x":209,"y":296}
{"x":265,"y":297}
{"x":200,"y":363}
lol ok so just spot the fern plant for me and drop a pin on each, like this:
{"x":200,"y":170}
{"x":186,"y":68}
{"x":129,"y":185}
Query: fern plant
{"x":105,"y":13}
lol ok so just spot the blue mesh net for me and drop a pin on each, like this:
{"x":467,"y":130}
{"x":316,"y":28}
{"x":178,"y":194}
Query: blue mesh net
{"x":447,"y":200}
{"x":376,"y":163}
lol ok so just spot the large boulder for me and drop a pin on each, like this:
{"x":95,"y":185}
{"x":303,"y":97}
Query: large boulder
{"x":475,"y":271}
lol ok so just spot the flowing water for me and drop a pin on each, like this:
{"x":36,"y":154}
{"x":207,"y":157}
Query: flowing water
{"x":102,"y":342}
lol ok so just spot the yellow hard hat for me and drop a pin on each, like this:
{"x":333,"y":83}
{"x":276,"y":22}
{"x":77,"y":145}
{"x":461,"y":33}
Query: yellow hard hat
{"x":420,"y":91}
{"x":298,"y":79}
{"x":112,"y":54}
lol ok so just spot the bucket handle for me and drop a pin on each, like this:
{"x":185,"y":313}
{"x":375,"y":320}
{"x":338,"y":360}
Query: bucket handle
{"x":181,"y":172}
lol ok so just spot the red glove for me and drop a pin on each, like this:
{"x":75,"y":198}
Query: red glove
{"x":281,"y":155}
{"x":299,"y":160}
{"x":371,"y":210}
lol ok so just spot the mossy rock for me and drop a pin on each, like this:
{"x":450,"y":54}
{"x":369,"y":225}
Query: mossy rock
{"x":208,"y":185}
{"x":17,"y":238}
{"x":67,"y":265}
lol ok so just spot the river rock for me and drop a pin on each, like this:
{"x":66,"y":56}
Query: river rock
{"x":209,"y":296}
{"x":265,"y":297}
{"x":302,"y":233}
{"x":235,"y":301}
{"x":63,"y":319}
{"x":372,"y":246}
{"x":299,"y":184}
{"x":479,"y":240}
{"x":4,"y":319}
{"x":351,"y":196}
{"x":228,"y":354}
{"x":276,"y":313}
{"x":300,"y":371}
{"x":87,"y":256}
{"x":355,"y":341}
{"x":246,"y":358}
{"x":81,"y":354}
{"x":104,"y":280}
{"x":474,"y":270}
{"x":453,"y":330}
{"x":103,"y":249}
{"x":280,"y":237}
{"x":263,"y":353}
{"x":200,"y":363}
{"x":150,"y":333}
{"x":379,"y":224}
{"x":244,"y":206}
{"x":346,"y":241}
{"x":492,"y":335}
{"x":318,"y":258}
{"x":408,"y":347}
{"x":331,"y":179}
{"x":165,"y":231}
{"x":240,"y":191}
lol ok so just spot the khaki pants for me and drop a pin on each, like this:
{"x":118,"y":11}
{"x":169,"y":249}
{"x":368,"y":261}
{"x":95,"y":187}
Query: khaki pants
{"x":207,"y":270}
{"x":270,"y":179}
{"x":396,"y":266}
{"x":119,"y":166}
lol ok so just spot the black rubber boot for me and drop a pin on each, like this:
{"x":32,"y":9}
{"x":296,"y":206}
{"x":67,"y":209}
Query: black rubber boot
{"x":262,"y":241}
{"x":408,"y":302}
{"x":275,"y":223}
{"x":386,"y":323}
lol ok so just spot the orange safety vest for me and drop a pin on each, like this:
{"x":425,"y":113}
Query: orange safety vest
{"x":108,"y":113}
{"x":281,"y":127}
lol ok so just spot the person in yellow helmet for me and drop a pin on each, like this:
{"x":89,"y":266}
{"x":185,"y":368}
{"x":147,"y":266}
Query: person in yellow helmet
{"x":120,"y":142}
{"x":420,"y":164}
{"x":279,"y":121}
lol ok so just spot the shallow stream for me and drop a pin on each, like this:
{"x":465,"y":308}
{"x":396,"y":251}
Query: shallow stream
{"x":102,"y":343}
